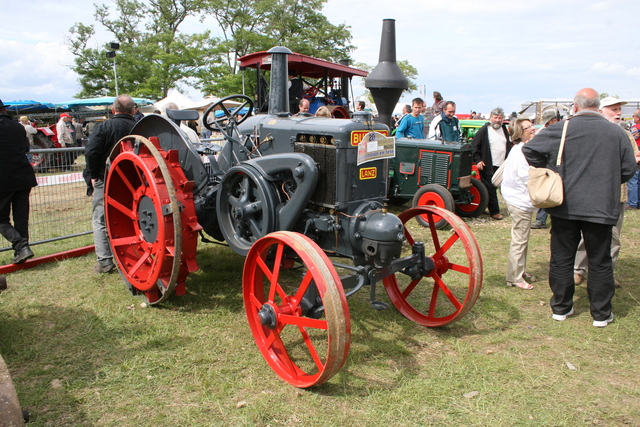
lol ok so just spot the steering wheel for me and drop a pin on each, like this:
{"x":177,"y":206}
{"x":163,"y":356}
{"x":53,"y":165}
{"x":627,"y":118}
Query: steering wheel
{"x":232,"y":118}
{"x":310,"y":93}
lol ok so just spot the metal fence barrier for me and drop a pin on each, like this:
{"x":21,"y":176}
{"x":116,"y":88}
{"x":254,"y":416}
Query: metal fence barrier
{"x":59,"y":206}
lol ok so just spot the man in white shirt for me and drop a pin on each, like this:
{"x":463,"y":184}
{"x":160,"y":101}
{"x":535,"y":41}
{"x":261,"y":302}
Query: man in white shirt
{"x":64,"y":135}
{"x":491,"y":145}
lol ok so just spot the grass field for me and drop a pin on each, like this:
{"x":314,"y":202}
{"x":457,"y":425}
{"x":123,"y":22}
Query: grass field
{"x":83,"y":352}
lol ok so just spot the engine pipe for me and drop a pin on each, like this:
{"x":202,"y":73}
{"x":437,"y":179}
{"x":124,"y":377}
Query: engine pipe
{"x":387,"y":81}
{"x":279,"y":92}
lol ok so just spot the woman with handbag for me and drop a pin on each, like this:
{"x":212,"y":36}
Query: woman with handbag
{"x":514,"y":191}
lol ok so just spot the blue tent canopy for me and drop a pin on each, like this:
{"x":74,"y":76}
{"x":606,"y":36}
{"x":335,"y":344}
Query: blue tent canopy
{"x":220,"y":113}
{"x":103,"y":100}
{"x":28,"y":106}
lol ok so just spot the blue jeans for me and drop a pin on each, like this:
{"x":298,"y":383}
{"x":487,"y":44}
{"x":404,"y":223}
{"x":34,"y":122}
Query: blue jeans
{"x":541,"y":216}
{"x":633,"y":189}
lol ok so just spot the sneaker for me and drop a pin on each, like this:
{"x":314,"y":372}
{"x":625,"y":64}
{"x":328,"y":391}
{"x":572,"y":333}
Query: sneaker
{"x":563,"y":317}
{"x":577,"y":278}
{"x":22,"y":255}
{"x":104,"y":268}
{"x":603,"y":323}
{"x":536,"y":225}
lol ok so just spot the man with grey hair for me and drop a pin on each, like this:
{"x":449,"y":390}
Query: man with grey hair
{"x":101,"y":141}
{"x":491,"y":145}
{"x":591,"y":205}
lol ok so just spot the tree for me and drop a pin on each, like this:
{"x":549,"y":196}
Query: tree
{"x":156,"y":56}
{"x":258,"y":25}
{"x":153,"y":57}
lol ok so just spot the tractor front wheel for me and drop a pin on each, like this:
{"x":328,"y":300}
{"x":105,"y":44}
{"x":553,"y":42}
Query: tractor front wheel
{"x":447,"y":292}
{"x":479,"y":200}
{"x":433,"y":195}
{"x":296,"y":307}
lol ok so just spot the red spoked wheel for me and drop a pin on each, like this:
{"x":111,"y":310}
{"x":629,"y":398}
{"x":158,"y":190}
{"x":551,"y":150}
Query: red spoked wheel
{"x":433,"y":195}
{"x":151,"y":218}
{"x":298,"y":316}
{"x":448,"y":292}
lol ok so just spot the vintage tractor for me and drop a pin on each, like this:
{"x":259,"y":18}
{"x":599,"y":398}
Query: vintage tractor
{"x":439,"y":174}
{"x":287,"y":193}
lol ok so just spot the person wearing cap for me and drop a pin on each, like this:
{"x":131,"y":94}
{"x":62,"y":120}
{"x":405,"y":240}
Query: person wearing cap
{"x":549,"y":117}
{"x":633,"y":185}
{"x":596,"y":159}
{"x":104,"y":137}
{"x":611,"y":109}
{"x":17,"y":178}
{"x":24,"y":121}
{"x":137,"y":115}
{"x":63,"y":132}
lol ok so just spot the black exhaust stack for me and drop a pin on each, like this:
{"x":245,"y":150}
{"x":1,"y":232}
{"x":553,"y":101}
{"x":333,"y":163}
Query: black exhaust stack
{"x":387,"y":82}
{"x":278,"y":92}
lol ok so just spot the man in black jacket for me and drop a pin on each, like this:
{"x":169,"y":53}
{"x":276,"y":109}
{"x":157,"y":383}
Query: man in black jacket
{"x":101,"y":141}
{"x":597,"y":158}
{"x":16,"y":180}
{"x":491,"y":145}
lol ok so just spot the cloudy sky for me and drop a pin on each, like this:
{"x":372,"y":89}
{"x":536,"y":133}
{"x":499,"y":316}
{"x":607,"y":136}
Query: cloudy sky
{"x":505,"y":54}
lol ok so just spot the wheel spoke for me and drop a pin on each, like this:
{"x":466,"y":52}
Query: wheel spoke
{"x":410,"y":288}
{"x":122,"y":208}
{"x":301,"y":321}
{"x":460,"y":268}
{"x":126,"y":181}
{"x":304,"y":285}
{"x":312,"y":349}
{"x":142,"y":260}
{"x":447,"y":245}
{"x":126,"y":241}
{"x":254,"y":227}
{"x":439,"y":284}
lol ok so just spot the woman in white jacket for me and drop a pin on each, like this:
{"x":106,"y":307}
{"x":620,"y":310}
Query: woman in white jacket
{"x":515,"y":193}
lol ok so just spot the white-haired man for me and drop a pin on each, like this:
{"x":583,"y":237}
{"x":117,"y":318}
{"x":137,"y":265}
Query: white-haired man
{"x":591,"y":205}
{"x":611,"y":109}
{"x":491,"y":145}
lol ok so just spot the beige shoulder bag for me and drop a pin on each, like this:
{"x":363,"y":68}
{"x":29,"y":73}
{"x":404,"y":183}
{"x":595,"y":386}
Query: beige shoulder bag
{"x":545,"y":185}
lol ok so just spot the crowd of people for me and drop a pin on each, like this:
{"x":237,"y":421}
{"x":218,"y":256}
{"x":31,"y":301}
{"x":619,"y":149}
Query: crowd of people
{"x":586,"y":227}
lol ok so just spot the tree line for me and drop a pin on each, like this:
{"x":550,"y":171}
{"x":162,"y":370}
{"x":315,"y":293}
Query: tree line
{"x":155,"y":55}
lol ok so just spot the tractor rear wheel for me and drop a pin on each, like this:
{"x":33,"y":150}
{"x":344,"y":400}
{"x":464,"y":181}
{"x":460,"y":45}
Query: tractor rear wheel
{"x":479,"y":200}
{"x":41,"y":161}
{"x":151,"y":218}
{"x":447,"y":292}
{"x":433,"y":195}
{"x":296,"y":307}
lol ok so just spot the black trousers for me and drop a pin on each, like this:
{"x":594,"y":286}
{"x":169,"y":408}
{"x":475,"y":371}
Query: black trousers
{"x":565,"y":237}
{"x":16,"y":202}
{"x":485,"y":177}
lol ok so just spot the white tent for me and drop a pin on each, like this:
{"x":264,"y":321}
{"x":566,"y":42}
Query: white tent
{"x":207,"y":101}
{"x":182,"y":101}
